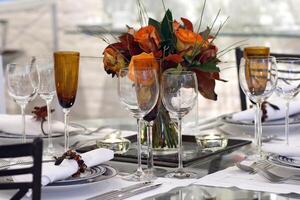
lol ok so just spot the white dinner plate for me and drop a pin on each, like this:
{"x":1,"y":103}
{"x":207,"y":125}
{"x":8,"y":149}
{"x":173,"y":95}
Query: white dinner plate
{"x":80,"y":181}
{"x":284,"y":161}
{"x":274,"y":127}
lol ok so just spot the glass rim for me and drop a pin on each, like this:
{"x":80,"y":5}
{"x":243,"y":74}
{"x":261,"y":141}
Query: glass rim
{"x":178,"y":73}
{"x":287,"y":58}
{"x":76,"y":53}
{"x":256,"y":48}
{"x":260,"y":57}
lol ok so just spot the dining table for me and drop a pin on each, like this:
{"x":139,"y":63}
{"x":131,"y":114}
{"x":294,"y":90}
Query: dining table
{"x":188,"y":189}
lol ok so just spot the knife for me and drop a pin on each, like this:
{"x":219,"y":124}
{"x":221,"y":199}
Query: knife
{"x":120,"y":191}
{"x":133,"y":192}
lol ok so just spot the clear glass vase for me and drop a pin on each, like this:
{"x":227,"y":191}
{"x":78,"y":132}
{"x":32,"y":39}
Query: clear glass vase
{"x":164,"y":134}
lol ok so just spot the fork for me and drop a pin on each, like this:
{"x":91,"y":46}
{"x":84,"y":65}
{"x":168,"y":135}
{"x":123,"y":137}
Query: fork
{"x":262,"y":169}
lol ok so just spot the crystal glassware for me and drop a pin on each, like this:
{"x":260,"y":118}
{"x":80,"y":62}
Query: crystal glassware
{"x":46,"y":91}
{"x":66,"y":69}
{"x":138,"y":93}
{"x":179,"y":95}
{"x":22,"y":83}
{"x":258,"y":78}
{"x":288,"y":84}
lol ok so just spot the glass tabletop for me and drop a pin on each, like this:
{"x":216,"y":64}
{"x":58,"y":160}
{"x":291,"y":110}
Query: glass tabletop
{"x":196,"y":192}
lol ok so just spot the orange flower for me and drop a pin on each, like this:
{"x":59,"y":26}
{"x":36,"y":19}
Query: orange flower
{"x":113,"y":61}
{"x":186,"y":40}
{"x":148,"y":38}
{"x":142,"y":61}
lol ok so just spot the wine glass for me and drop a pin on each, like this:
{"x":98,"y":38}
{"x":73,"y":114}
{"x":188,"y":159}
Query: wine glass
{"x":179,"y":95}
{"x":66,"y":69}
{"x":22,"y":83}
{"x":46,"y":91}
{"x":138,"y":93}
{"x":258,"y":78}
{"x":288,"y":84}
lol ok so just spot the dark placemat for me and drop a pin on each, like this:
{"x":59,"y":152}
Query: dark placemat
{"x":192,"y":152}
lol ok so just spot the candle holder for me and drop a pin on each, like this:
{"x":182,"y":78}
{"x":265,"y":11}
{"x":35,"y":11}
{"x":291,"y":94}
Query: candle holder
{"x":211,"y":141}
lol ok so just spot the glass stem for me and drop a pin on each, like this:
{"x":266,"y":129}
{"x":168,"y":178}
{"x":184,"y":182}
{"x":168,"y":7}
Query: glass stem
{"x":180,"y":149}
{"x":67,"y":138}
{"x":255,"y":126}
{"x":150,"y":163}
{"x":196,"y":114}
{"x":139,"y":146}
{"x":23,"y":106}
{"x":258,"y":128}
{"x":287,"y":121}
{"x":50,"y":143}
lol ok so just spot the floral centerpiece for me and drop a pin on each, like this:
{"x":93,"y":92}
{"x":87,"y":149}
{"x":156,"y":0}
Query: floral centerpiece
{"x":167,"y":45}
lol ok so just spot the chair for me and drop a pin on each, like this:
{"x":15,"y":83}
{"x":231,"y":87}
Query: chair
{"x":239,"y":56}
{"x":33,"y":149}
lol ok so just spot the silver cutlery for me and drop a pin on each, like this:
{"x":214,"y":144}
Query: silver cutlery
{"x":79,"y":143}
{"x":274,"y":177}
{"x":120,"y":191}
{"x":134,"y":192}
{"x":262,"y":168}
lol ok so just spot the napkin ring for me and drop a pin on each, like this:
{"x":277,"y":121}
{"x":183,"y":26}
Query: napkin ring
{"x":72,"y":155}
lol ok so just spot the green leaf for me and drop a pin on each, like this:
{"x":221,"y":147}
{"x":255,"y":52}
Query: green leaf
{"x":167,"y":30}
{"x":157,"y":25}
{"x":210,"y":66}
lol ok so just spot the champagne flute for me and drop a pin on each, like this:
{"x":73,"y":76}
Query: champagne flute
{"x":288,"y":84}
{"x":22,"y":83}
{"x":66,"y":69}
{"x":258,"y":78}
{"x":179,"y":95}
{"x":138,"y":93}
{"x":47,"y":91}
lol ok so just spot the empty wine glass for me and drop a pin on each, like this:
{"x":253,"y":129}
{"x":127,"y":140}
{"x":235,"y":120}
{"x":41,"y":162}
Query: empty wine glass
{"x":179,"y":95}
{"x":66,"y":69}
{"x":257,"y":78}
{"x":288,"y":84}
{"x":22,"y":84}
{"x":138,"y":93}
{"x":47,"y":91}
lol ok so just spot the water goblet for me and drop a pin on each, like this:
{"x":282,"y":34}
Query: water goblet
{"x":138,"y":93}
{"x":22,"y":84}
{"x":66,"y":69}
{"x":179,"y":95}
{"x":46,"y":91}
{"x":288,"y":84}
{"x":258,"y":78}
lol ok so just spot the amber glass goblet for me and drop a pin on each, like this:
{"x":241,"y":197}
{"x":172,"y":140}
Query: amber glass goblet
{"x":66,"y":67}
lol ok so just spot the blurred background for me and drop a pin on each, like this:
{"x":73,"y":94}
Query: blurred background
{"x":39,"y":27}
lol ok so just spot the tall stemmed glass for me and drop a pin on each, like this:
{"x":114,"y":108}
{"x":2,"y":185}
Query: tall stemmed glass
{"x":66,"y":67}
{"x":138,"y":93}
{"x":258,"y":78}
{"x":22,"y":84}
{"x":47,"y":91}
{"x":288,"y":84}
{"x":179,"y":95}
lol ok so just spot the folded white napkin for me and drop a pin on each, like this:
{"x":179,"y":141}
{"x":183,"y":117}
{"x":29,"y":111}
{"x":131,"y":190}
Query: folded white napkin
{"x":13,"y":124}
{"x":52,"y":173}
{"x":272,"y":114}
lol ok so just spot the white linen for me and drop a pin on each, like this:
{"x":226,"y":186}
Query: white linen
{"x":113,"y":184}
{"x":52,"y":173}
{"x":13,"y":124}
{"x":272,"y":114}
{"x":234,"y":177}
